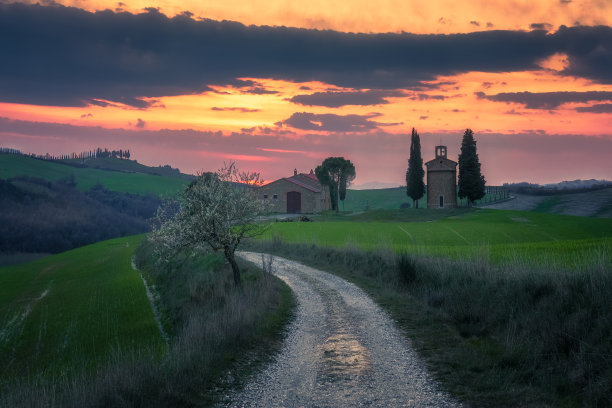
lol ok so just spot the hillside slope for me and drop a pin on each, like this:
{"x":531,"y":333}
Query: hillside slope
{"x":126,"y":166}
{"x":592,"y":204}
{"x":37,"y":216}
{"x":73,"y":310}
{"x":12,"y":165}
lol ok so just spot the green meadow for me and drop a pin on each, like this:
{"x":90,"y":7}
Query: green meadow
{"x":497,"y":235}
{"x":12,"y":165}
{"x":389,"y":199}
{"x":74,"y":311}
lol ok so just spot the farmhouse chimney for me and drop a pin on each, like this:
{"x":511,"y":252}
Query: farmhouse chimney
{"x":295,"y":172}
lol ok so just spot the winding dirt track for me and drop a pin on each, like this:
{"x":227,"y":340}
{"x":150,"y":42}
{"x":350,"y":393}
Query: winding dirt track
{"x":341,"y":350}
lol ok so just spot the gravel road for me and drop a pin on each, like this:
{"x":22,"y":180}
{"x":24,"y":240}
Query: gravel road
{"x":341,"y":350}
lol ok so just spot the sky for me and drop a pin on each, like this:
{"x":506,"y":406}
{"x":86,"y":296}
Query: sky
{"x":276,"y":86}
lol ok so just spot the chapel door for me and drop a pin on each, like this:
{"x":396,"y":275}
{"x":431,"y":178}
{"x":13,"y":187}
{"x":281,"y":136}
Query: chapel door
{"x":441,"y":201}
{"x":294,"y":202}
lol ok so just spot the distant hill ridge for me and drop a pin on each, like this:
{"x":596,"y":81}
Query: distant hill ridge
{"x":114,"y":160}
{"x":115,"y":174}
{"x":578,"y":184}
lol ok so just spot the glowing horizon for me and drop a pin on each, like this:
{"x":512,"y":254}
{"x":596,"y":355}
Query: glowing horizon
{"x":300,"y":108}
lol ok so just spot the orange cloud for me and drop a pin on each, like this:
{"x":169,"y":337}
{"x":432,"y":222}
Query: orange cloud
{"x":440,"y":16}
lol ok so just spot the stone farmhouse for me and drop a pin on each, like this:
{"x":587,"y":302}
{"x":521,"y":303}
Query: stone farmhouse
{"x":441,"y":181}
{"x":300,"y":193}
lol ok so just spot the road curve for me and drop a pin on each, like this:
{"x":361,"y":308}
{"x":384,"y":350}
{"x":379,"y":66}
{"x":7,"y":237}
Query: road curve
{"x":341,"y":350}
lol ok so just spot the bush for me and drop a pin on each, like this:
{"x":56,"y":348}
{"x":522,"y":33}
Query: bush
{"x":406,"y":269}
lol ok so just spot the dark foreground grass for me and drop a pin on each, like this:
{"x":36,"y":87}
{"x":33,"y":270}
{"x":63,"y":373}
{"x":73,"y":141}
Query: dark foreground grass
{"x":219,"y":333}
{"x":511,"y":335}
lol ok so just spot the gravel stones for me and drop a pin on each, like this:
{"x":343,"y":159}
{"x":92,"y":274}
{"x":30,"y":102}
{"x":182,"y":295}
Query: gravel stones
{"x":341,"y":350}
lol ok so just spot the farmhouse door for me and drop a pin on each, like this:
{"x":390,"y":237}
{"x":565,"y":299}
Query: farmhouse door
{"x":441,"y":201}
{"x":294,"y":202}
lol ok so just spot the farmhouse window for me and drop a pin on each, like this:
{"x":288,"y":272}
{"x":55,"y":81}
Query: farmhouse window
{"x":275,"y":196}
{"x":265,"y":196}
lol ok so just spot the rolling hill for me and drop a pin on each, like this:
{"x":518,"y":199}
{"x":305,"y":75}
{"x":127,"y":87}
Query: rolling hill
{"x":73,"y":310}
{"x":114,"y":174}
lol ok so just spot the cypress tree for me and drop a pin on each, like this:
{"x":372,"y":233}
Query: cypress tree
{"x":471,"y":181}
{"x":415,"y":188}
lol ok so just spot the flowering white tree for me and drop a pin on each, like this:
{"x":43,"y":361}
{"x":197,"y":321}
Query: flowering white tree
{"x":216,"y":210}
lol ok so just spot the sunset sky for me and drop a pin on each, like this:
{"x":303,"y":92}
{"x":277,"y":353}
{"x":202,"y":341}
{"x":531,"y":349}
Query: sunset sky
{"x":276,"y":85}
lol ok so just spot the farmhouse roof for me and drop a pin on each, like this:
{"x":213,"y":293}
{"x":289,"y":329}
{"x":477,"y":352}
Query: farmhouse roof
{"x":307,"y":181}
{"x":303,"y":183}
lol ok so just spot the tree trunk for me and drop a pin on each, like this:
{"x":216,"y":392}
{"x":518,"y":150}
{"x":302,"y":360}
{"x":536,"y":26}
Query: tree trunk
{"x":338,"y":197}
{"x":229,"y":255}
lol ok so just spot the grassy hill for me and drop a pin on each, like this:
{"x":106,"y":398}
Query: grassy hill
{"x":596,"y":203}
{"x":126,"y":166}
{"x":12,"y":165}
{"x":73,"y":311}
{"x":498,"y":235}
{"x":77,"y":329}
{"x":385,"y":199}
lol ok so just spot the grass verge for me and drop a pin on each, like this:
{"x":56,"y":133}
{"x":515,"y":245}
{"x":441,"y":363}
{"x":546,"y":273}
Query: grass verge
{"x":493,"y":335}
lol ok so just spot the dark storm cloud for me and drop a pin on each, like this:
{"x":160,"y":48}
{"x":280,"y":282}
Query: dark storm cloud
{"x":333,"y":123}
{"x":333,"y":99}
{"x":546,"y":100}
{"x":597,"y":108}
{"x":58,"y":55}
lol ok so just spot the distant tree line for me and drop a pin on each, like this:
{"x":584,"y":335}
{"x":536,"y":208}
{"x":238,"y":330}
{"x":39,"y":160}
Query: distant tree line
{"x":40,"y":216}
{"x":8,"y":150}
{"x":98,"y":153}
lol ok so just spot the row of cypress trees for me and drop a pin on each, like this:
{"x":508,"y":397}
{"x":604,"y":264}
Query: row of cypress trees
{"x":471,"y":181}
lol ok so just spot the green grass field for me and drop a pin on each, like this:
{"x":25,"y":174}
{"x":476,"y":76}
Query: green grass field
{"x":498,"y":235}
{"x":12,"y":165}
{"x":73,"y":310}
{"x":507,"y":308}
{"x":384,"y":198}
{"x":387,"y":199}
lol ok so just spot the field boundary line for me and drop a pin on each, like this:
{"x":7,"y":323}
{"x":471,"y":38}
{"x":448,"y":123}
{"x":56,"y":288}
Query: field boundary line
{"x":152,"y":299}
{"x":458,"y":234}
{"x":409,"y":234}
